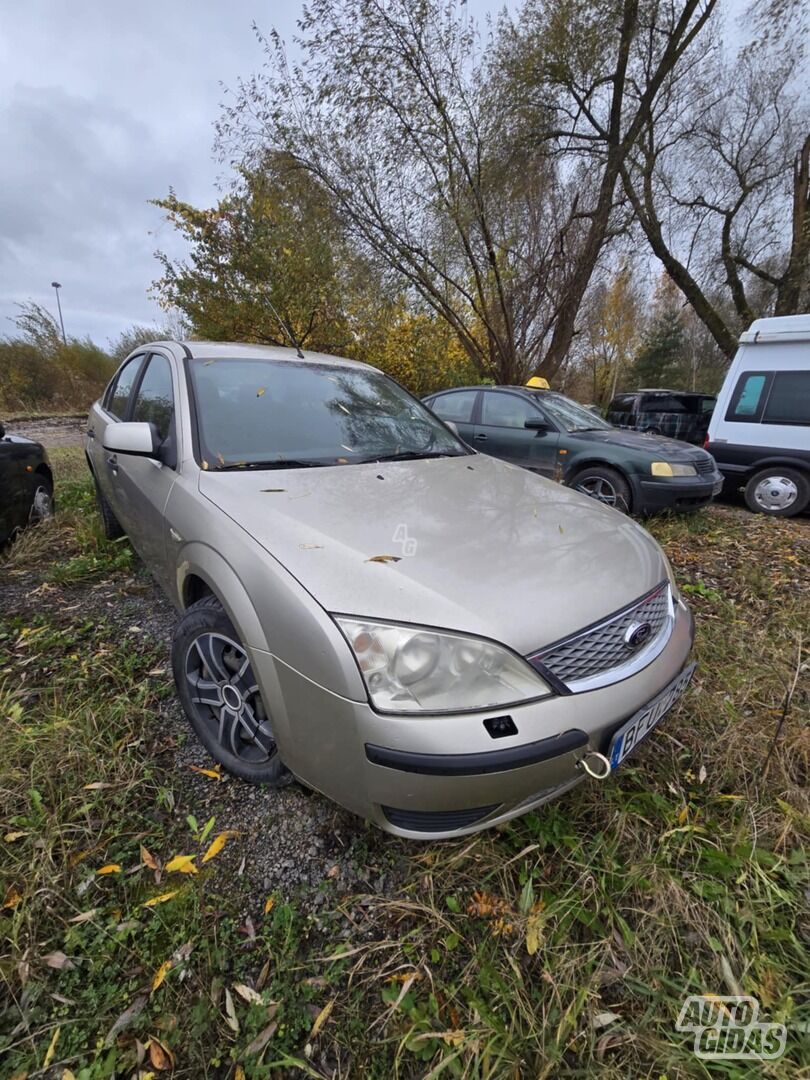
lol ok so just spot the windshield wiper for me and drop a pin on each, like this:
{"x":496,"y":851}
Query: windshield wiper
{"x":414,"y":455}
{"x":276,"y":463}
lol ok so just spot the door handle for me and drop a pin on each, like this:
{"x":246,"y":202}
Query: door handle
{"x":90,"y":433}
{"x":112,"y":464}
{"x":480,"y":438}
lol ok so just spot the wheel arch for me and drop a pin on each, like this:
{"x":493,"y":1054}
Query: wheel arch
{"x":787,"y":461}
{"x":578,"y":464}
{"x":43,"y":469}
{"x":204,"y":572}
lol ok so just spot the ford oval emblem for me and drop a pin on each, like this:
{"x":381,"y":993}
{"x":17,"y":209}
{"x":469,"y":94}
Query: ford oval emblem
{"x":636,"y":635}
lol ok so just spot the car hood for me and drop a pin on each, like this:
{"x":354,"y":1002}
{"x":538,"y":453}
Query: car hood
{"x":656,"y":446}
{"x":476,"y":544}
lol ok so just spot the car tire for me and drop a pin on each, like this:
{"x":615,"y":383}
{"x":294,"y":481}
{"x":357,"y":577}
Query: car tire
{"x":41,"y":505}
{"x":109,"y":522}
{"x":212,"y":671}
{"x":778,"y":491}
{"x":604,"y":484}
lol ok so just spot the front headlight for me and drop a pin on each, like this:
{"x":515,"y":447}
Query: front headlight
{"x":413,"y":669}
{"x":670,"y":468}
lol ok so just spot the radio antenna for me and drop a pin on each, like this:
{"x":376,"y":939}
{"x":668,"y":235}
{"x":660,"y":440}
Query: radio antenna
{"x":288,"y":331}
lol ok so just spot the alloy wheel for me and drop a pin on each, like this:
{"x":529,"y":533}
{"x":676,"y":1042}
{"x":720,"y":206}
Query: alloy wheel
{"x":599,"y":488}
{"x":226,"y":696}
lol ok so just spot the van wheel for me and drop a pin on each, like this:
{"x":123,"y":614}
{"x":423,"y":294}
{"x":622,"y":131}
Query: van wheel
{"x":221,"y":698}
{"x":778,"y":491}
{"x":604,"y":484}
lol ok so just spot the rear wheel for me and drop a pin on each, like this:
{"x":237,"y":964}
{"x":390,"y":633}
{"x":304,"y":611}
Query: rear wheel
{"x":604,"y":484}
{"x":109,"y":522}
{"x":221,"y":697}
{"x":778,"y":491}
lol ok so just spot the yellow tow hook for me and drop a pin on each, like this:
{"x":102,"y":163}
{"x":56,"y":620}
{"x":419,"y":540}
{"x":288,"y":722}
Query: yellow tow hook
{"x":589,"y":763}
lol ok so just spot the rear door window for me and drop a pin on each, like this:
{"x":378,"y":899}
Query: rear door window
{"x":457,"y":406}
{"x":789,"y":399}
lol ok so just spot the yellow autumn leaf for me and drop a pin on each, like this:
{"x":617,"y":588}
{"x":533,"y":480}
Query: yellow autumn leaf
{"x":10,"y":837}
{"x":322,"y":1017}
{"x":68,"y":1074}
{"x":161,"y":974}
{"x":217,"y":844}
{"x":110,"y":868}
{"x":51,"y":1049}
{"x":13,"y":898}
{"x":268,"y":904}
{"x":214,"y":774}
{"x":155,"y":900}
{"x":683,"y":814}
{"x":148,"y":859}
{"x":181,"y":864}
{"x":239,"y":1073}
{"x":534,"y":930}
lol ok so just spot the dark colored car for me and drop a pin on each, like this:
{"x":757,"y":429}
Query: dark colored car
{"x":679,"y":414}
{"x":26,"y":484}
{"x":550,"y":434}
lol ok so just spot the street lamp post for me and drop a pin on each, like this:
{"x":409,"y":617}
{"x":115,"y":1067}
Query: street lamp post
{"x":56,"y":287}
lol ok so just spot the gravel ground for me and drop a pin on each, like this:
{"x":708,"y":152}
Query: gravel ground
{"x":292,"y":842}
{"x":51,"y":431}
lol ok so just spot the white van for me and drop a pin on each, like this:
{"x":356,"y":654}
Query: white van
{"x":759,"y":433}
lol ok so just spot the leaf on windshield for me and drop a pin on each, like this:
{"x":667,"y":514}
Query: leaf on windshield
{"x":385,"y":558}
{"x":220,"y":458}
{"x":340,"y":405}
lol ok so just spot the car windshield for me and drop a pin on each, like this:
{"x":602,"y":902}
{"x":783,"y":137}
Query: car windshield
{"x":569,"y":415}
{"x":264,"y":413}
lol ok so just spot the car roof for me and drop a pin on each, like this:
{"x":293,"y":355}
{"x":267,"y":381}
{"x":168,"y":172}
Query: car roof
{"x":234,"y":350}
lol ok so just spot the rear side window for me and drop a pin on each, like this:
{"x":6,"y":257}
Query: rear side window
{"x":155,"y":401}
{"x":121,"y":388}
{"x":748,"y":398}
{"x":669,"y":403}
{"x":457,"y":407}
{"x":789,"y":399}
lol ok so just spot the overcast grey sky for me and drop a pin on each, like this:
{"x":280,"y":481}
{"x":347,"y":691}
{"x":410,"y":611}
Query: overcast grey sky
{"x":103,"y":106}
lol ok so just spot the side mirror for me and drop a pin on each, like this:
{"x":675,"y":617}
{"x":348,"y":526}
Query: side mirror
{"x":139,"y":439}
{"x":536,"y":423}
{"x":453,"y":427}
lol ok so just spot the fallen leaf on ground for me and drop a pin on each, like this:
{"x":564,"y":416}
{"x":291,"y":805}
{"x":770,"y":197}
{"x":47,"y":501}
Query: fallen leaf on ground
{"x":13,"y":898}
{"x":148,"y":859}
{"x":58,"y":961}
{"x":217,"y":844}
{"x":230,"y":1013}
{"x":10,"y":837}
{"x":51,"y":1049}
{"x":155,"y":900}
{"x":322,"y":1017}
{"x":160,"y":1055}
{"x":161,"y":973}
{"x":110,"y":868}
{"x":85,"y":916}
{"x":248,"y":993}
{"x":268,"y":904}
{"x":262,"y":1039}
{"x":535,"y":925}
{"x":213,"y":774}
{"x":239,"y":1072}
{"x":97,"y":785}
{"x":181,"y":864}
{"x":125,"y":1019}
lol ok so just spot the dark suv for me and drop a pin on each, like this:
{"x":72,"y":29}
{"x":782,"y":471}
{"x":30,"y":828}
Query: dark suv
{"x":553,"y":435}
{"x":679,"y":414}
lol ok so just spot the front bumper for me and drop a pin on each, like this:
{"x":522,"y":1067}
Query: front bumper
{"x":675,"y":493}
{"x":444,"y":776}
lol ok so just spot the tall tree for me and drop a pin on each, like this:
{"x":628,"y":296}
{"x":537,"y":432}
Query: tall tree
{"x":719,"y":180}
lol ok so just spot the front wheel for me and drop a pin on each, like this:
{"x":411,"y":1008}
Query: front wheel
{"x":220,"y":695}
{"x":604,"y":484}
{"x":41,"y":506}
{"x":778,"y":491}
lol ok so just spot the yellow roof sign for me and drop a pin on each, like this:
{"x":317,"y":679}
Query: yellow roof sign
{"x":536,"y":383}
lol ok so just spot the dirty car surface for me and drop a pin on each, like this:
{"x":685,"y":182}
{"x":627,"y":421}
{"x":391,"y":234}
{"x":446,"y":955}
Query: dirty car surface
{"x":436,"y":639}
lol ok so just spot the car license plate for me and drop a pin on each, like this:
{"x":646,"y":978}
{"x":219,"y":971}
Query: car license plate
{"x":638,"y":727}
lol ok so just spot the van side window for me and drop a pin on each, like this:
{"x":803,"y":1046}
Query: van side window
{"x":748,"y":398}
{"x":789,"y":399}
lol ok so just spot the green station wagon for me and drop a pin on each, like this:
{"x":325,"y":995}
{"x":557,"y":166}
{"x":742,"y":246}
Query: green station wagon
{"x":552,"y":435}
